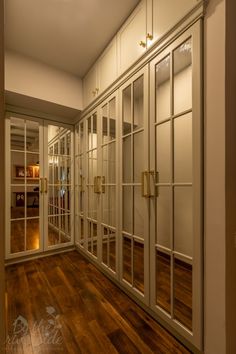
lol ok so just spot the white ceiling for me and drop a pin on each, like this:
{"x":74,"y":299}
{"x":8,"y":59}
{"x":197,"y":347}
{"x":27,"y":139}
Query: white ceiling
{"x":66,"y":34}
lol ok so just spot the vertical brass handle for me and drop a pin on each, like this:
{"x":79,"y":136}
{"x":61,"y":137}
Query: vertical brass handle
{"x":45,"y":185}
{"x":97,"y":184}
{"x":145,"y":184}
{"x":41,"y":185}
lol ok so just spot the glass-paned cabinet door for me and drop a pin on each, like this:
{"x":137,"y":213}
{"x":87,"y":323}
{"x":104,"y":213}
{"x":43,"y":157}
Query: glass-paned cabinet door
{"x":109,"y":182}
{"x":175,"y":159}
{"x":58,"y":185}
{"x":134,"y":197}
{"x":24,"y":200}
{"x":80,"y":174}
{"x":92,"y":182}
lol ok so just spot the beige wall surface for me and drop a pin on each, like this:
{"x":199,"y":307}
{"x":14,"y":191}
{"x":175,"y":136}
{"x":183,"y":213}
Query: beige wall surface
{"x":29,"y":77}
{"x":214,"y":67}
{"x":230,"y":177}
{"x":2,"y":286}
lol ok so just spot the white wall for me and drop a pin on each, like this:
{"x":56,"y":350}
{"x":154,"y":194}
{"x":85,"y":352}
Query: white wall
{"x":214,"y":62}
{"x":29,"y":77}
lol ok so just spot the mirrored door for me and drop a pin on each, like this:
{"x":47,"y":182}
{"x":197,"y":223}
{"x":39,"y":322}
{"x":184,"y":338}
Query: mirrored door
{"x":134,"y":204}
{"x":24,"y":198}
{"x":175,"y":158}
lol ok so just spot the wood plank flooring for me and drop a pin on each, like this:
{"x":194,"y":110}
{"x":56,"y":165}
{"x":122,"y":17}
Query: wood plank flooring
{"x":63,"y":304}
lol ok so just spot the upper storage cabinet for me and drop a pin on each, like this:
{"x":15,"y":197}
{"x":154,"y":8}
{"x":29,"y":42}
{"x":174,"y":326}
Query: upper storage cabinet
{"x":107,"y":66}
{"x":162,"y":15}
{"x":131,"y":38}
{"x":102,"y":74}
{"x":90,"y":85}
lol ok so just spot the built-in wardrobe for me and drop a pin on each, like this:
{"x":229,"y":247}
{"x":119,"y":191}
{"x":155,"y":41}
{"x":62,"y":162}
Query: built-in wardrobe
{"x":124,"y":185}
{"x":138,"y":184}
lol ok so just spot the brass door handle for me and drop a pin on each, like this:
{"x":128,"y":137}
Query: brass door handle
{"x":145,"y":184}
{"x":45,"y":185}
{"x":142,"y":44}
{"x":97,"y":184}
{"x":149,"y":36}
{"x":41,"y":185}
{"x":148,"y":190}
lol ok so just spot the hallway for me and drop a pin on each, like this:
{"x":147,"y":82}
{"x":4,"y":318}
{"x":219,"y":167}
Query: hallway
{"x":62,"y":303}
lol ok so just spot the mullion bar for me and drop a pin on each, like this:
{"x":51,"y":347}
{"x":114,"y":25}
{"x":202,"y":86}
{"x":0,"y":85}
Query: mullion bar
{"x":172,"y":180}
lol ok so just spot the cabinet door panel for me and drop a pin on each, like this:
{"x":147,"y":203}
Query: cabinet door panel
{"x":90,"y":85}
{"x":129,"y":37}
{"x":107,"y":67}
{"x":166,"y":13}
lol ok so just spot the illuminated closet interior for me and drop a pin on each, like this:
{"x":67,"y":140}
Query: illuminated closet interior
{"x":124,"y":184}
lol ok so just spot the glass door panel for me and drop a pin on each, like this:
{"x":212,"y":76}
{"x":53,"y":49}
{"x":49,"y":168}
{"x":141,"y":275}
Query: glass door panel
{"x":24,"y":204}
{"x":134,"y":206}
{"x":175,"y":238}
{"x":58,"y":186}
{"x":109,"y":184}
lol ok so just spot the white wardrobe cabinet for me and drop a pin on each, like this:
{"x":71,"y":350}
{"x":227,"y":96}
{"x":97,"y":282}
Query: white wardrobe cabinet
{"x":163,"y":15}
{"x":96,"y":182}
{"x":131,"y":38}
{"x":102,"y":74}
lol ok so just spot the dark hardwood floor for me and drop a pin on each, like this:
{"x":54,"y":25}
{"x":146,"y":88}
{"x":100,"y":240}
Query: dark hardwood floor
{"x":63,"y":304}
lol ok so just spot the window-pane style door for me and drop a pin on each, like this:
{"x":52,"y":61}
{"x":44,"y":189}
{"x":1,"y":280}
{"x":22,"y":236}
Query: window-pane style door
{"x":24,"y":182}
{"x":175,"y":158}
{"x":134,"y":198}
{"x":39,"y":186}
{"x":58,"y":185}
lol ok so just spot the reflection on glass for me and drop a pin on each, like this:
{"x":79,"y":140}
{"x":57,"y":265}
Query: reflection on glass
{"x":183,"y":226}
{"x":32,"y":202}
{"x":138,"y":156}
{"x":89,"y":137}
{"x":81,"y":137}
{"x":183,"y":292}
{"x":104,"y":124}
{"x":94,"y":143}
{"x":112,"y":250}
{"x":89,"y":236}
{"x":127,"y":251}
{"x":163,"y":102}
{"x":112,"y":205}
{"x":18,"y":169}
{"x":183,"y":148}
{"x":105,"y":207}
{"x":163,"y":280}
{"x":32,"y":136}
{"x":163,"y":217}
{"x":81,"y":228}
{"x":94,"y":230}
{"x":17,"y":202}
{"x":127,"y":119}
{"x":32,"y":234}
{"x":127,"y":159}
{"x":183,"y":77}
{"x":17,"y":236}
{"x":112,"y":163}
{"x":138,"y":103}
{"x":53,"y":230}
{"x":138,"y":265}
{"x":105,"y":162}
{"x":105,"y":246}
{"x":112,"y":120}
{"x":139,"y":207}
{"x":17,"y":134}
{"x":127,"y":209}
{"x":163,"y":165}
{"x":68,"y":143}
{"x":32,"y":168}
